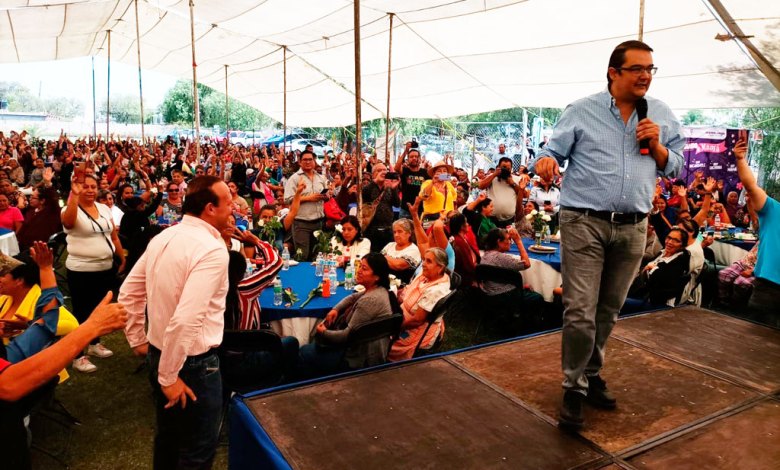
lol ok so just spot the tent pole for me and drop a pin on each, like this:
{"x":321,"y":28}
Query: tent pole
{"x":227,"y":109}
{"x":195,"y":100}
{"x":140,"y":81}
{"x":473,"y":152}
{"x":108,"y":88}
{"x":358,"y":120}
{"x":94,"y":102}
{"x":641,"y":19}
{"x":389,"y":73}
{"x":523,"y":159}
{"x":284,"y":111}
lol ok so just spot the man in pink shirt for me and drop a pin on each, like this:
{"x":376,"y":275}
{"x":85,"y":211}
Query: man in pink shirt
{"x":182,"y":279}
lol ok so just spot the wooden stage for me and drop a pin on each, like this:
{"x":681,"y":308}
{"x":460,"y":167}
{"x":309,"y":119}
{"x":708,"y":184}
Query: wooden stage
{"x":695,"y":389}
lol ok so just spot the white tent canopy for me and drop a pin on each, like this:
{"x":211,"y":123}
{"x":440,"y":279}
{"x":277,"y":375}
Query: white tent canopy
{"x":450,"y":57}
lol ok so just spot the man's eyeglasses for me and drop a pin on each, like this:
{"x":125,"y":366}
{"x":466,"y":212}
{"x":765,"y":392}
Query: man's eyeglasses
{"x":638,"y":69}
{"x":678,"y":240}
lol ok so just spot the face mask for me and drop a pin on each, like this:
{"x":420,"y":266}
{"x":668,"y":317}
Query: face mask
{"x":443,"y":176}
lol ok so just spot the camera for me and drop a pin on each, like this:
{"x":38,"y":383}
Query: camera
{"x":392,"y":175}
{"x":505,"y":174}
{"x":415,"y":144}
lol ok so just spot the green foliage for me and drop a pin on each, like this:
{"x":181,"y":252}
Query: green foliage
{"x":766,"y":155}
{"x":177,"y":108}
{"x":125,"y":109}
{"x":20,"y":99}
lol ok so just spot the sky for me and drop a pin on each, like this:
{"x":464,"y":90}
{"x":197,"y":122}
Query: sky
{"x":73,"y":78}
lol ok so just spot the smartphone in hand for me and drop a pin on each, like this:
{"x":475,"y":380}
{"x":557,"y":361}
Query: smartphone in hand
{"x":80,"y":172}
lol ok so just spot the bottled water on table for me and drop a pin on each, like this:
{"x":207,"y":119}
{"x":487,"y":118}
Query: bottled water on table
{"x":249,"y":268}
{"x":319,"y":265}
{"x":547,"y":235}
{"x":285,"y":259}
{"x":277,"y":291}
{"x":332,"y":274}
{"x":349,"y":276}
{"x":716,"y":221}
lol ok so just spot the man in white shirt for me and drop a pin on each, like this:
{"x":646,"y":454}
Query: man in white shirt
{"x":182,"y":278}
{"x":503,"y":188}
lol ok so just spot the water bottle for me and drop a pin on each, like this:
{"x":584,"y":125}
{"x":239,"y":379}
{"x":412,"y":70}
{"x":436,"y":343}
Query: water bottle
{"x":285,"y":259}
{"x":249,"y":267}
{"x":277,"y":291}
{"x":717,"y":220}
{"x":547,"y":235}
{"x":332,"y":275}
{"x":349,"y":279}
{"x":319,"y":265}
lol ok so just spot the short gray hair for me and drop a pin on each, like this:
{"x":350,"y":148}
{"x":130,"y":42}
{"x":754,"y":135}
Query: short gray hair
{"x":405,"y":224}
{"x":439,"y":256}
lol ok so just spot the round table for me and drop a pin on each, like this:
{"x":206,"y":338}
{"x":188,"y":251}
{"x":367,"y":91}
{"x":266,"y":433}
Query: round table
{"x":293,"y":320}
{"x":544,"y":275}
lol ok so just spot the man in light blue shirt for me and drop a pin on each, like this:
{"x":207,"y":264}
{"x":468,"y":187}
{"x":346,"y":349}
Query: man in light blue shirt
{"x":766,"y":287}
{"x":606,"y":195}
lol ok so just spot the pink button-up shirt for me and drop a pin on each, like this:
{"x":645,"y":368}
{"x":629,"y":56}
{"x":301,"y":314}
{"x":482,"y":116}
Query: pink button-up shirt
{"x":182,"y":277}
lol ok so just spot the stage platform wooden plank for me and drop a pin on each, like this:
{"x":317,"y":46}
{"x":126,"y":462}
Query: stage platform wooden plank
{"x":749,"y":439}
{"x":739,"y":350}
{"x":422,"y":416}
{"x":655,"y":395}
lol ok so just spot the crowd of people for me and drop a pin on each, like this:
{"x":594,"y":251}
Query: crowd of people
{"x":178,"y":222}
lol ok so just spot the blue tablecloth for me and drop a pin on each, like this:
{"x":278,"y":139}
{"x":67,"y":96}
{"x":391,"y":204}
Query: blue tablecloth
{"x":745,"y":245}
{"x":553,"y":259}
{"x":302,"y":280}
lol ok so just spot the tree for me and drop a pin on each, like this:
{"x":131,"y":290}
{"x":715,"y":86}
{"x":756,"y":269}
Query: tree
{"x":63,"y":108}
{"x":125,"y":109}
{"x":766,"y":155}
{"x":177,"y":107}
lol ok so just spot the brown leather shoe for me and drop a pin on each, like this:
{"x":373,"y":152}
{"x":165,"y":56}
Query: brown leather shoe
{"x":598,"y":394}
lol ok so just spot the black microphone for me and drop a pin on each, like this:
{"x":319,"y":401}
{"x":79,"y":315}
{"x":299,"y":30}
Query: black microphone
{"x":641,"y":113}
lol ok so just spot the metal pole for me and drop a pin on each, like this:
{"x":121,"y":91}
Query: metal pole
{"x":358,"y":120}
{"x":227,"y":109}
{"x":641,"y":19}
{"x":389,"y":69}
{"x":196,"y":102}
{"x":108,"y":89}
{"x":140,"y":80}
{"x":94,"y":102}
{"x":284,"y":111}
{"x":523,"y":159}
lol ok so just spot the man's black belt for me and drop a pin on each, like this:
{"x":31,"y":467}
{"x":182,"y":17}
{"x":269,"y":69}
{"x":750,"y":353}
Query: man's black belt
{"x":613,"y":217}
{"x":156,"y":351}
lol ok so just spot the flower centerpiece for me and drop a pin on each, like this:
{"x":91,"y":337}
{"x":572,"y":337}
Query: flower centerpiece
{"x":289,"y":297}
{"x":539,"y":222}
{"x":323,"y":244}
{"x":269,"y":229}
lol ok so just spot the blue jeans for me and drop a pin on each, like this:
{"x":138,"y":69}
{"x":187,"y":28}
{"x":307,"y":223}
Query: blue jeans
{"x":317,"y":361}
{"x":599,"y":260}
{"x":187,"y":438}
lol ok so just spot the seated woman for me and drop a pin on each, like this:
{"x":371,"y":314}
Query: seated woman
{"x":497,"y":244}
{"x":660,"y":281}
{"x":244,"y":367}
{"x":324,"y":355}
{"x":466,"y":256}
{"x":478,"y":214}
{"x":417,"y":300}
{"x":10,"y":217}
{"x":402,"y":254}
{"x":349,"y":241}
{"x":735,"y":283}
{"x":524,"y":226}
{"x":719,"y":210}
{"x":30,"y":300}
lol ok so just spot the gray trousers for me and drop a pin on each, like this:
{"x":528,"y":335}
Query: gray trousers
{"x":599,"y":260}
{"x":303,"y":236}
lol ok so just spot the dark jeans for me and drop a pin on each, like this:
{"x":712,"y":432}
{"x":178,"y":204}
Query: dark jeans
{"x":316,"y":361}
{"x":303,"y":236}
{"x":87,"y":289}
{"x":379,"y":236}
{"x":187,"y":438}
{"x":763,"y":306}
{"x":255,"y":366}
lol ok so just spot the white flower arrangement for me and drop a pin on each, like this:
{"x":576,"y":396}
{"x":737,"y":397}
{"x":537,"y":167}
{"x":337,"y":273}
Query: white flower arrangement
{"x":339,"y":228}
{"x":317,"y":233}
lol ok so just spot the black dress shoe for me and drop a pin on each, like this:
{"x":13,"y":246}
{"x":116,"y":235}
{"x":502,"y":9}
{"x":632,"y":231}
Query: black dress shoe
{"x":570,"y":418}
{"x":598,"y":394}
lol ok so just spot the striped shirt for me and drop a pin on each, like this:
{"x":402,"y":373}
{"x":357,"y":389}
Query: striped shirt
{"x":606,"y":171}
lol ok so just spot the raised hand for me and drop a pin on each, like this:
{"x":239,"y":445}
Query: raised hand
{"x":710,"y":185}
{"x":42,"y":255}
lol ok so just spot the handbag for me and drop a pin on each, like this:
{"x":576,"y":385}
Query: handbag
{"x":116,"y":261}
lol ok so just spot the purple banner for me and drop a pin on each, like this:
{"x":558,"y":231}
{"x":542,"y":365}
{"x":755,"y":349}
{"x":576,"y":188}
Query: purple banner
{"x":710,"y":150}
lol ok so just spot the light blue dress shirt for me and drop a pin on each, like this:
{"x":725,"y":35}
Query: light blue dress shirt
{"x":606,"y":171}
